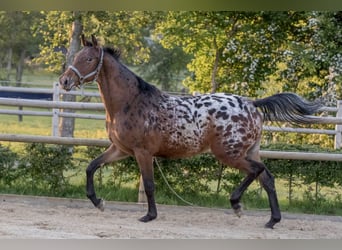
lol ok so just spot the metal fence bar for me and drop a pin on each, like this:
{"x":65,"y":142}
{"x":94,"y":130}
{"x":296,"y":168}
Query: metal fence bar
{"x":106,"y":143}
{"x":299,"y":130}
{"x":301,"y":156}
{"x":49,"y":91}
{"x":54,"y":140}
{"x":51,"y":104}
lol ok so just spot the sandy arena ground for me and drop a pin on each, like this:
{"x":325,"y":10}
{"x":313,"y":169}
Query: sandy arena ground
{"x":25,"y":217}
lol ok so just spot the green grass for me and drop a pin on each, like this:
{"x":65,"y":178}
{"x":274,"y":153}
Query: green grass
{"x":38,"y":125}
{"x":129,"y":193}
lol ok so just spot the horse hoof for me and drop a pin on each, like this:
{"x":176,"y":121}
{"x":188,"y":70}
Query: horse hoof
{"x":147,"y":218}
{"x":238,"y":210}
{"x":271,"y":223}
{"x":101,"y":205}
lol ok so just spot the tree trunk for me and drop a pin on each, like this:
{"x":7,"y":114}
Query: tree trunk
{"x":66,"y":124}
{"x":20,"y":68}
{"x":215,"y":68}
{"x":19,"y":76}
{"x":9,"y":63}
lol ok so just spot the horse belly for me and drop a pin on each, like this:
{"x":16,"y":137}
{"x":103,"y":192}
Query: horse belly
{"x":183,"y":140}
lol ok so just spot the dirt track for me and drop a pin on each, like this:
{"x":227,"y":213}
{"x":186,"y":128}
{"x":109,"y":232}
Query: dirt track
{"x":43,"y":218}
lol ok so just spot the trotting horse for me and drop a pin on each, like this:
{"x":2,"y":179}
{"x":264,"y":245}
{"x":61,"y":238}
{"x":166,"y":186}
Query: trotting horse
{"x":144,"y":122}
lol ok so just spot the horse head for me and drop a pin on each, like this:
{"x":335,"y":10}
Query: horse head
{"x":85,"y":67}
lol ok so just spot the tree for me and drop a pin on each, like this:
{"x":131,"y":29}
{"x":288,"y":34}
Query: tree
{"x":17,"y":42}
{"x":62,"y":29}
{"x":312,"y":56}
{"x":67,"y":124}
{"x":164,"y":66}
{"x":232,"y":51}
{"x":125,"y":30}
{"x":247,"y":52}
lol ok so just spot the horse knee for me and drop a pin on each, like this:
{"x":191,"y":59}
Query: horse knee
{"x":256,"y":168}
{"x":89,"y":170}
{"x":267,"y":180}
{"x":92,"y":167}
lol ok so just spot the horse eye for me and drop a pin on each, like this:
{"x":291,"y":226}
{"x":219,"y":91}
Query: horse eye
{"x":89,"y":59}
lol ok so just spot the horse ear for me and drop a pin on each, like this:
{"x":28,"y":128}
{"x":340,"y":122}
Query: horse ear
{"x":84,"y":41}
{"x":94,"y":40}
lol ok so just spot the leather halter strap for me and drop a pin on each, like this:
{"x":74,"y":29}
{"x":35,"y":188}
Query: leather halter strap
{"x":95,"y":72}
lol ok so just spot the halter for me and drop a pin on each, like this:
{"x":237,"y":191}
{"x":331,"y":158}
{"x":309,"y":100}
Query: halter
{"x":95,"y":72}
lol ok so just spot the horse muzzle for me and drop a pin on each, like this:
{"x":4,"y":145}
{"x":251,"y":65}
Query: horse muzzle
{"x":67,"y":83}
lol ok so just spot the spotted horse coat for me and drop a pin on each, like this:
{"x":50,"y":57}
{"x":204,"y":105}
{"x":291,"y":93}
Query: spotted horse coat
{"x":222,"y":123}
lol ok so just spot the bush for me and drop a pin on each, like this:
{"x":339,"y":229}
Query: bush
{"x":305,"y":172}
{"x":8,"y":165}
{"x":198,"y":174}
{"x":123,"y":171}
{"x":44,"y":166}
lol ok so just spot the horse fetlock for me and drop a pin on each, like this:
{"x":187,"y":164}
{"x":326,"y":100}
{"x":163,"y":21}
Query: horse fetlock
{"x":101,"y":205}
{"x":237,"y":209}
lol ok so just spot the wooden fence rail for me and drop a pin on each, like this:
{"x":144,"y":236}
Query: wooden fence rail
{"x":56,"y":105}
{"x":106,"y":143}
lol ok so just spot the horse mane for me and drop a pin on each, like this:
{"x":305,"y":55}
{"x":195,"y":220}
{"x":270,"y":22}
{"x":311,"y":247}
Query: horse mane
{"x":142,"y":85}
{"x":114,"y":52}
{"x":145,"y":87}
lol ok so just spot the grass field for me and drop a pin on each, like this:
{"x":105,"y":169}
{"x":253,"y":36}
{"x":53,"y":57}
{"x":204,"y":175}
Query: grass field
{"x":37,"y":125}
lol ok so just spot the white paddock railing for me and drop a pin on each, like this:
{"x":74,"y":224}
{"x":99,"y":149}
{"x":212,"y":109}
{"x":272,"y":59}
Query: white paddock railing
{"x":56,"y":105}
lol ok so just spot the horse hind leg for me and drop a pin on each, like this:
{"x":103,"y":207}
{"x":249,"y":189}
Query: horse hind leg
{"x":253,"y":167}
{"x":258,"y":170}
{"x":267,"y":181}
{"x":110,"y":155}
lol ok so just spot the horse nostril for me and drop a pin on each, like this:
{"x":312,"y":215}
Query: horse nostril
{"x":65,"y":83}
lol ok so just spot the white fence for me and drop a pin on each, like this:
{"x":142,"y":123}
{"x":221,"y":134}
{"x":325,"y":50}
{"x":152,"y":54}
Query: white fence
{"x":56,"y":105}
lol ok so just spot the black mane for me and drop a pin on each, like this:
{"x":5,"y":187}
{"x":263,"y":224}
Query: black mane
{"x":114,"y":52}
{"x":145,"y":87}
{"x":142,"y":85}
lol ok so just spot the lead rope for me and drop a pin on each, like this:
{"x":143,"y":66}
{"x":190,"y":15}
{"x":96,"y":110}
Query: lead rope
{"x":169,"y":186}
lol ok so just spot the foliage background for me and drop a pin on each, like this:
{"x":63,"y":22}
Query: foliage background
{"x":249,"y":53}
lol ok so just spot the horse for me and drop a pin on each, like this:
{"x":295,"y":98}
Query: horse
{"x":145,"y":122}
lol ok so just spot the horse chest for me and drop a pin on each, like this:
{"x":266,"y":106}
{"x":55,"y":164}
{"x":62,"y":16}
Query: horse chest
{"x":122,"y":133}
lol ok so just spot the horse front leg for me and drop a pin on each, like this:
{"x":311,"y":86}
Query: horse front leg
{"x":145,"y":162}
{"x":110,"y":155}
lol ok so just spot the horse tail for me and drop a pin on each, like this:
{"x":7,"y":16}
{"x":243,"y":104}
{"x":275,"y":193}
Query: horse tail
{"x":288,"y":107}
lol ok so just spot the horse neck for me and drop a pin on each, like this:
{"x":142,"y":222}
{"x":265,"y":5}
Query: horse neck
{"x":117,"y":85}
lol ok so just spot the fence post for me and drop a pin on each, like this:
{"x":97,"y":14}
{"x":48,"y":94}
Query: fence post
{"x":55,"y":111}
{"x":338,"y":127}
